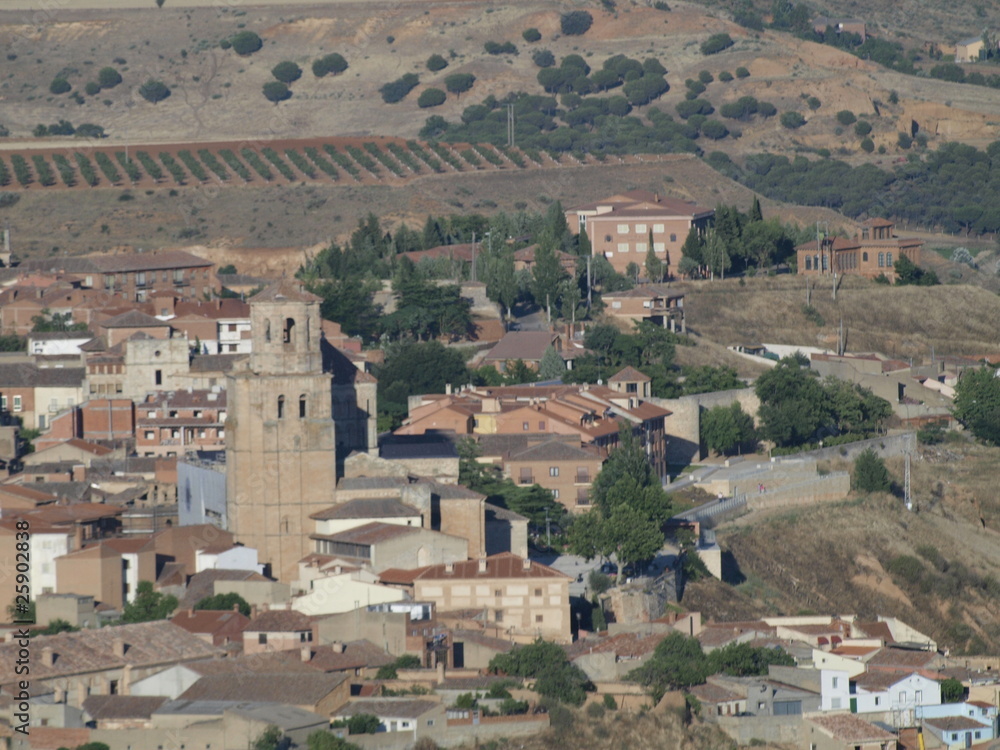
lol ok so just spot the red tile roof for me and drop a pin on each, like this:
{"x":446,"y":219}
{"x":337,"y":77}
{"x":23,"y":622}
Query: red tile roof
{"x":279,"y":621}
{"x":501,"y":566}
{"x":850,"y":728}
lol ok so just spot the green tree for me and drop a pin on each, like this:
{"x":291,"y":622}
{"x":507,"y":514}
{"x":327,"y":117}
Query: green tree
{"x":396,"y":91}
{"x":47,"y":321}
{"x":794,"y":405}
{"x":436,"y":63}
{"x":287,"y":72}
{"x":459,"y":83}
{"x":225,"y":602}
{"x":792,"y":120}
{"x":246,"y":43}
{"x":321,"y":739}
{"x":727,"y":429}
{"x":332,"y":63}
{"x":412,"y":367}
{"x":517,"y":372}
{"x":269,"y":739}
{"x":575,"y":22}
{"x":57,"y":626}
{"x":716,"y":43}
{"x":363,"y":724}
{"x":654,"y":266}
{"x":555,"y":676}
{"x":149,"y":605}
{"x":154,"y":91}
{"x":431,"y":98}
{"x":546,"y":274}
{"x":743,"y":660}
{"x":108,"y":78}
{"x":870,"y":474}
{"x":276,"y":91}
{"x":952,"y":691}
{"x":716,"y":254}
{"x":59,"y":86}
{"x":551,"y":366}
{"x":755,"y":213}
{"x":977,"y":404}
{"x":677,"y":662}
{"x":909,"y":273}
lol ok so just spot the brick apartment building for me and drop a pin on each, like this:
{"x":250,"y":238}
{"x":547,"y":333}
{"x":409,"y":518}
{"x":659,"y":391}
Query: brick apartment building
{"x":177,"y":422}
{"x":619,"y":226}
{"x":564,"y":468}
{"x":870,"y":253}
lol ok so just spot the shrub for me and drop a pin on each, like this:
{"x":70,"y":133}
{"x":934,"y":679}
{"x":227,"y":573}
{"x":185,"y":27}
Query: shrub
{"x":690,"y":107}
{"x":235,"y":164}
{"x":320,"y":161}
{"x":332,"y":63}
{"x":870,"y":474}
{"x":66,"y":172}
{"x":846,"y":117}
{"x":531,"y":35}
{"x":193,"y":165}
{"x":742,"y":109}
{"x":387,"y":161}
{"x":211,"y":161}
{"x":342,"y":161}
{"x":495,"y":48}
{"x":129,"y":166}
{"x":272,"y":156}
{"x":246,"y":43}
{"x":862,"y":128}
{"x":86,"y":169}
{"x":301,"y":163}
{"x":459,"y":83}
{"x":792,"y":120}
{"x":59,"y":86}
{"x":154,"y":91}
{"x":425,"y":157}
{"x":725,"y":76}
{"x":813,"y":103}
{"x":742,"y":72}
{"x":364,"y":160}
{"x":766,"y":109}
{"x":404,"y":156}
{"x":175,"y":169}
{"x":716,"y":43}
{"x":868,"y":145}
{"x":609,"y":702}
{"x":108,"y":78}
{"x":396,"y":91}
{"x":543,"y":58}
{"x":903,"y":140}
{"x":436,"y":63}
{"x":107,"y":167}
{"x":287,"y":71}
{"x":90,"y":130}
{"x":714,"y":129}
{"x":907,"y":567}
{"x":705,"y":77}
{"x":151,"y":167}
{"x":276,"y":91}
{"x":576,"y":22}
{"x":256,"y":163}
{"x":43,"y":170}
{"x":92,"y":88}
{"x":431,"y":98}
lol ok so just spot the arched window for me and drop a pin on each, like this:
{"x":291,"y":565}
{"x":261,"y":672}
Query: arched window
{"x":289,"y":326}
{"x":816,"y":262}
{"x":888,"y":259}
{"x":864,"y":257}
{"x":809,"y":263}
{"x":881,"y":260}
{"x":302,"y":406}
{"x":308,"y":333}
{"x":267,"y":331}
{"x":281,"y":407}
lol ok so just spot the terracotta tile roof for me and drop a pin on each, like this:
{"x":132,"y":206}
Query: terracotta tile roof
{"x":209,"y":621}
{"x":24,"y":375}
{"x":155,"y":261}
{"x":102,"y":707}
{"x":28,"y":493}
{"x":524,"y":345}
{"x":265,"y":661}
{"x":711,"y":693}
{"x":901,"y":658}
{"x":369,"y":533}
{"x":374,"y":508}
{"x":299,"y":689}
{"x":147,"y":644}
{"x":216,"y":362}
{"x":75,"y":513}
{"x":874,"y":630}
{"x":981,"y":704}
{"x":279,"y":621}
{"x":203,"y":584}
{"x":404,"y":708}
{"x":286,"y":289}
{"x":496,"y":513}
{"x":555,"y":450}
{"x":88,"y":447}
{"x":852,"y":651}
{"x":629,"y":374}
{"x":356,"y":654}
{"x":631,"y":645}
{"x":52,"y":738}
{"x":850,"y":728}
{"x":501,"y":566}
{"x":876,"y":682}
{"x":954,"y":723}
{"x":633,"y":197}
{"x":499,"y":645}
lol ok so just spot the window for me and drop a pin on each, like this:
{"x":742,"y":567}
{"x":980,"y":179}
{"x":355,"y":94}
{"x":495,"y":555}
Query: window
{"x":525,"y":426}
{"x":657,"y":228}
{"x":809,"y":263}
{"x":289,"y":327}
{"x":864,"y":257}
{"x":538,"y":618}
{"x":140,"y":278}
{"x":555,"y":494}
{"x":553,"y":471}
{"x":302,"y":407}
{"x":541,"y":425}
{"x":878,"y":701}
{"x":902,"y":696}
{"x":607,"y":238}
{"x":158,"y":377}
{"x":623,"y":229}
{"x":881,"y":260}
{"x":659,"y":247}
{"x":623,"y":247}
{"x":262,"y":638}
{"x":498,"y":615}
{"x":978,"y":734}
{"x":918,"y":696}
{"x":3,"y":403}
{"x":836,"y":682}
{"x":673,"y":238}
{"x":616,"y":305}
{"x":179,"y":276}
{"x":498,"y":593}
{"x":538,"y":592}
{"x":267,"y":331}
{"x":17,"y":403}
{"x":640,"y":229}
{"x":826,"y":262}
{"x":430,"y":722}
{"x":583,"y":496}
{"x":150,"y":435}
{"x":281,"y":407}
{"x":198,"y":414}
{"x":835,"y":703}
{"x":888,"y":259}
{"x":641,"y":247}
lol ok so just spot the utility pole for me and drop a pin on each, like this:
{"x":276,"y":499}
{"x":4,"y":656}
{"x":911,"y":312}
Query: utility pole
{"x":548,"y":531}
{"x":589,"y":285}
{"x":473,"y":256}
{"x":907,"y":498}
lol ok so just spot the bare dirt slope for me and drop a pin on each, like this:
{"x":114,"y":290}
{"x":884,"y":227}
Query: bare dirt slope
{"x":852,"y":556}
{"x":898,"y":321}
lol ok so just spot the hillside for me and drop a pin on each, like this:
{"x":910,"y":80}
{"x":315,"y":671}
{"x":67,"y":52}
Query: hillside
{"x":937,"y":567}
{"x":899,"y":321}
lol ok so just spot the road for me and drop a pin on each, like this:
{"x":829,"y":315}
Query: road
{"x":575,"y":567}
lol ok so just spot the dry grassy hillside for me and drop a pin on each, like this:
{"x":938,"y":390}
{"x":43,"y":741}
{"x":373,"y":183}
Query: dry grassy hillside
{"x":937,"y":568}
{"x":898,"y":321}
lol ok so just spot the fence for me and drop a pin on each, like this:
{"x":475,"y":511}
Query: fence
{"x":710,"y":513}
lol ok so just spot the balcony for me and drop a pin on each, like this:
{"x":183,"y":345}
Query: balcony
{"x":526,"y":479}
{"x":583,"y":478}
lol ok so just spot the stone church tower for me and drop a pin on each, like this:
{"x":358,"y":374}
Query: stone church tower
{"x":280,"y":434}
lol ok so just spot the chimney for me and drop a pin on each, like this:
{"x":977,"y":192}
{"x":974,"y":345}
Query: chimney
{"x":48,"y":656}
{"x":59,"y":695}
{"x":447,"y":389}
{"x":191,"y":610}
{"x":118,"y":646}
{"x":305,"y":653}
{"x":253,"y":611}
{"x":440,"y":672}
{"x":338,"y":647}
{"x":338,"y":569}
{"x":449,"y":568}
{"x":482,"y":565}
{"x":236,"y":608}
{"x":526,"y":563}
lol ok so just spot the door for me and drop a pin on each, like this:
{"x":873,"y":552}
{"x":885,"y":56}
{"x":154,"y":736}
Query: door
{"x":458,"y":655}
{"x":854,"y":705}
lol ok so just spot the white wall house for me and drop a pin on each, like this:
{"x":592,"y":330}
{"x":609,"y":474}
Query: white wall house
{"x":344,"y":593}
{"x":46,"y":546}
{"x":170,"y":682}
{"x":233,"y":558}
{"x":835,"y":690}
{"x":893,"y":699}
{"x":234,"y":336}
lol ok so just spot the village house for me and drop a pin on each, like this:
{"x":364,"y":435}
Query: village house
{"x":870,"y":253}
{"x":523,"y":599}
{"x":315,"y":691}
{"x":218,"y":627}
{"x":620,"y":226}
{"x":564,"y":468}
{"x":527,"y":346}
{"x":841,"y":26}
{"x":970,"y":50}
{"x":173,"y":423}
{"x":277,"y":630}
{"x":653,"y":302}
{"x":36,"y":394}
